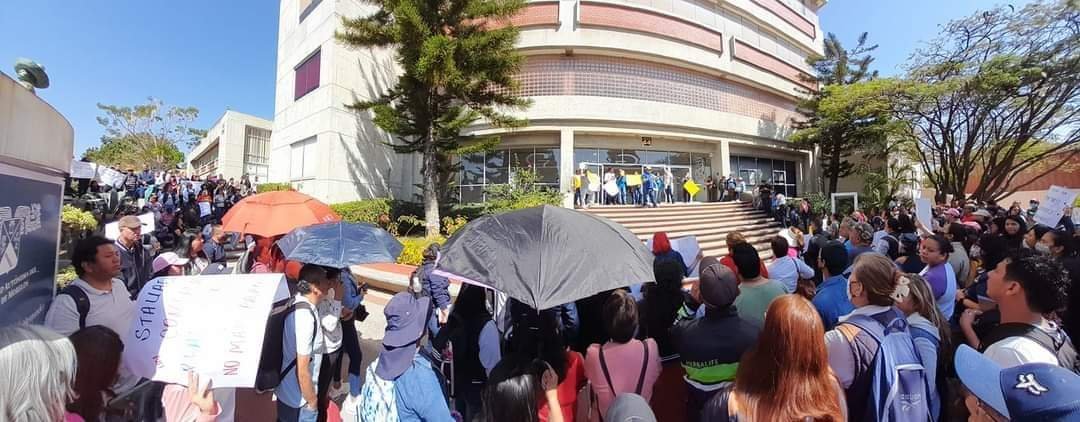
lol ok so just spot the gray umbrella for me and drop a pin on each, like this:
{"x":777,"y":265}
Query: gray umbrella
{"x":339,"y":244}
{"x":546,"y":256}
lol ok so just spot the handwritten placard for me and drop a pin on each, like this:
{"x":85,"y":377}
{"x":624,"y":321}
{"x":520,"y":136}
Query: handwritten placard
{"x":1053,"y":207}
{"x":212,"y":325}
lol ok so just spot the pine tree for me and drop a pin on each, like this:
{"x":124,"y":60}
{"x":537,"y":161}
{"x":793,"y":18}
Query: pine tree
{"x":457,"y":61}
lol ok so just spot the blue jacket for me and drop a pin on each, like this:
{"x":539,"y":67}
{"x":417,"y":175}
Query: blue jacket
{"x":673,"y":255}
{"x":214,"y":252}
{"x":352,"y":297}
{"x":831,"y":300}
{"x":418,"y":394}
{"x":435,"y":286}
{"x":648,"y":181}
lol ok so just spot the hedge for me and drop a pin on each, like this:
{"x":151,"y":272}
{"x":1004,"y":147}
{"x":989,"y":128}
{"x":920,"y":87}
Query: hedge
{"x":271,"y":187}
{"x":413,"y":251}
{"x":363,"y":211}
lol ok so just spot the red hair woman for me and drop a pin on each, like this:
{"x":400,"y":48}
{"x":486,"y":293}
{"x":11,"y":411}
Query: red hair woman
{"x":784,"y":377}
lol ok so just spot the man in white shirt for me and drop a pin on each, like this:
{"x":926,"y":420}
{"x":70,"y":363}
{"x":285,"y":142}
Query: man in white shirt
{"x":785,"y":269}
{"x":1025,"y":288}
{"x":105,"y":300}
{"x":302,"y":347}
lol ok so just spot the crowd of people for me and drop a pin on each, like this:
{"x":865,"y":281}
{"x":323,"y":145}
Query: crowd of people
{"x":867,"y":316}
{"x":650,"y":187}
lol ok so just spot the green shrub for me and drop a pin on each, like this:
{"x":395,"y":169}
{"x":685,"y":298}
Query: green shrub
{"x":413,"y":251}
{"x":64,"y":276}
{"x":451,"y":225}
{"x":364,"y":211}
{"x":76,"y":220}
{"x":271,"y":187}
{"x":522,"y":193}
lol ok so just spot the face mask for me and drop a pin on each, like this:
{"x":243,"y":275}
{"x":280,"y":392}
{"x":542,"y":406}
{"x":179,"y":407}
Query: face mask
{"x":1042,"y":248}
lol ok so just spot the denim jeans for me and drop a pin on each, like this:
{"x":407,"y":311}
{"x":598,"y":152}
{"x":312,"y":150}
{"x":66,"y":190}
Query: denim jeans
{"x":290,"y":414}
{"x":351,"y":345}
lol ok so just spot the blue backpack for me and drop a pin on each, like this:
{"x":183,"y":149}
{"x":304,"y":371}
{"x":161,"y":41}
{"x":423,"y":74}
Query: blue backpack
{"x":899,"y":390}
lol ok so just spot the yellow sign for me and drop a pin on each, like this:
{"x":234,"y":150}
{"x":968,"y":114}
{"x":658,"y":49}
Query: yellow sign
{"x":633,"y":180}
{"x":691,"y":187}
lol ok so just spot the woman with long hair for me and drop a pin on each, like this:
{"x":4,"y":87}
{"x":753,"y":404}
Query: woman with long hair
{"x":1033,"y":235}
{"x":784,"y":377}
{"x":660,"y":306}
{"x":661,"y":249}
{"x":38,"y":369}
{"x":539,"y":335}
{"x":472,"y":332}
{"x":623,"y":364}
{"x":929,"y":330}
{"x":1013,"y":230}
{"x":513,"y":388}
{"x":99,"y":350}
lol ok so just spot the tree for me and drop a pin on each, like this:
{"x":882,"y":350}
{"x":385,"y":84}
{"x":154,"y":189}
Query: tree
{"x":996,"y":95}
{"x":457,"y":61}
{"x":840,"y":119}
{"x":145,"y":135}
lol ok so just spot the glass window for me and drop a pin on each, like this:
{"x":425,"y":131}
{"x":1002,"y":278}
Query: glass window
{"x":585,"y":155}
{"x":679,"y":158}
{"x":702,"y":166}
{"x":307,"y":75}
{"x":496,"y":167}
{"x":611,"y":156}
{"x":472,"y":169}
{"x":302,"y":163}
{"x":306,"y":6}
{"x":656,"y":157}
{"x":472,"y":194}
{"x":546,"y":163}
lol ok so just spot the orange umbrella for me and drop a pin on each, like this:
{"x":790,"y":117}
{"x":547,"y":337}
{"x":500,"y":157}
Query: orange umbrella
{"x":274,"y":213}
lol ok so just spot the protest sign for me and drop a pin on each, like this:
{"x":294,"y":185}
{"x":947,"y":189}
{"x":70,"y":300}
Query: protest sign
{"x":686,"y":246}
{"x":633,"y":180}
{"x":29,"y":235}
{"x":691,"y":188}
{"x":211,"y":325}
{"x":923,"y":213}
{"x":1053,"y":206}
{"x":611,"y":188}
{"x":204,"y":209}
{"x":594,"y":182}
{"x":112,"y":230}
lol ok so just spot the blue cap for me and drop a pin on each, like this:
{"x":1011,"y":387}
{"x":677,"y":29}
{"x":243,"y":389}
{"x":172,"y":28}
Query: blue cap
{"x":406,"y":318}
{"x":1033,"y":391}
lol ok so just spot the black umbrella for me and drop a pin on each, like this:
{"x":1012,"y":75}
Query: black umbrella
{"x":339,"y":244}
{"x":546,"y":256}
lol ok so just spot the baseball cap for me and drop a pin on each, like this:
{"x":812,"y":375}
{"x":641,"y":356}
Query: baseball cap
{"x":1033,"y":391}
{"x":166,"y":259}
{"x":718,"y":285}
{"x":130,"y":222}
{"x":406,"y":317}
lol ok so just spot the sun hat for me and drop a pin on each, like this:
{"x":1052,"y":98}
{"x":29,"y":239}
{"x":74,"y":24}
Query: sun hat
{"x":406,"y":317}
{"x":168,"y":259}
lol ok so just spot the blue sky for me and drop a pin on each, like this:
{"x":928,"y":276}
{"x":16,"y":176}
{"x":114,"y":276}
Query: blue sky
{"x":218,"y":54}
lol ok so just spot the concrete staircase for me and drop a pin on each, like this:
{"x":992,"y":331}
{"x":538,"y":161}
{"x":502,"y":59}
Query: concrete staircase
{"x":710,"y":222}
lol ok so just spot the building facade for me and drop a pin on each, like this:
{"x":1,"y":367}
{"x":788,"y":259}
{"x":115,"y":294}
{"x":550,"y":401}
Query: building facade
{"x":237,"y":144}
{"x":698,"y":87}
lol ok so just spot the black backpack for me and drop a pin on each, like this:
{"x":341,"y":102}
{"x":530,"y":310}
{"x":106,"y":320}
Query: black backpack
{"x":82,"y":302}
{"x":270,"y":373}
{"x":1057,"y":342}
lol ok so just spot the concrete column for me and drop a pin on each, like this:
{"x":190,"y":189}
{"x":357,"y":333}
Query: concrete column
{"x":722,"y":158}
{"x":566,"y":166}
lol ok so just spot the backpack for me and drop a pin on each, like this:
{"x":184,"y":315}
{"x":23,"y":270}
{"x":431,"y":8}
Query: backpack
{"x":940,"y":376}
{"x":1057,"y":343}
{"x":378,"y":402}
{"x":894,"y":247}
{"x":82,"y":302}
{"x":899,"y":390}
{"x":270,"y":373}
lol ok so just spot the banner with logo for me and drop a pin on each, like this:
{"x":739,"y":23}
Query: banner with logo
{"x":213,"y":325}
{"x":29,"y":236}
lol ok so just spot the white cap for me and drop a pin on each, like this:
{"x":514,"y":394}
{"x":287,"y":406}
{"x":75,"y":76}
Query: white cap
{"x":166,"y":259}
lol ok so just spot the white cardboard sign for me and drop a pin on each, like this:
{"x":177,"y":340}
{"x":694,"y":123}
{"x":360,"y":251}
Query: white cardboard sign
{"x":688,"y":247}
{"x":211,"y":325}
{"x":923,"y":213}
{"x":1053,"y":206}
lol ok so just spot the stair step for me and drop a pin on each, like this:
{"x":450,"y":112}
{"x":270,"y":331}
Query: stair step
{"x":730,"y":224}
{"x":688,"y":215}
{"x":601,"y":209}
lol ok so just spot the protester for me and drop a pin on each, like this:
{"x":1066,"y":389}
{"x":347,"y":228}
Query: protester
{"x":660,"y":306}
{"x":831,"y":300}
{"x":475,"y":338}
{"x":539,"y":335}
{"x":107,"y":301}
{"x":435,"y":287}
{"x":886,"y":240}
{"x":38,"y":367}
{"x":330,"y":312}
{"x":711,"y":360}
{"x":630,"y":407}
{"x":786,"y":269}
{"x":862,"y":235}
{"x":732,"y":239}
{"x":98,"y":350}
{"x":401,"y":384}
{"x":755,"y":291}
{"x":214,"y":245}
{"x":353,"y":310}
{"x":929,"y":331}
{"x":169,"y":264}
{"x":1014,"y":230}
{"x":1028,"y":392}
{"x":511,"y":393}
{"x":302,"y":346}
{"x":859,"y":354}
{"x":1025,"y":288}
{"x":622,"y":364}
{"x":934,"y":251}
{"x":661,"y":249}
{"x":958,"y":259}
{"x":1034,"y":235}
{"x":135,"y":258}
{"x":196,"y":404}
{"x":784,"y":377}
